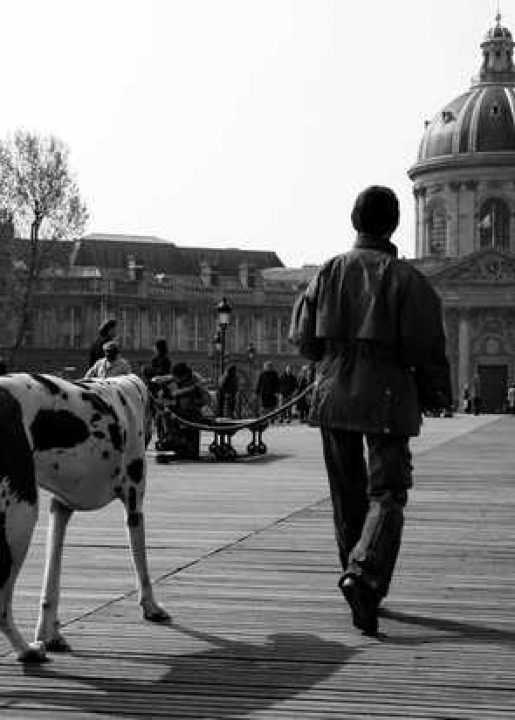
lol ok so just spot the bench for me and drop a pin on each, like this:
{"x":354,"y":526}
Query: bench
{"x":224,"y":429}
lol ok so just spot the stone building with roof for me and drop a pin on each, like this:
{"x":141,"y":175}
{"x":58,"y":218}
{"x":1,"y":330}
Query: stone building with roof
{"x":464,"y":189}
{"x":155,"y":289}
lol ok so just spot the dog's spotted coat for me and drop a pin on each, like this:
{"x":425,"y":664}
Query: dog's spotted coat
{"x":85,"y":443}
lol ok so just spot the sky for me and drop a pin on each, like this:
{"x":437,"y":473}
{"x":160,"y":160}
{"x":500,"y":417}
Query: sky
{"x":239,"y":123}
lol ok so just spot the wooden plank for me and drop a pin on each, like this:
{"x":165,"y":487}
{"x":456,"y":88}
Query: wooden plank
{"x":245,"y":560}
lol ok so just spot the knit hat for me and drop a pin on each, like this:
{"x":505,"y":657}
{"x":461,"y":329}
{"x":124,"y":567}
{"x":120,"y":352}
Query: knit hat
{"x":376,"y":211}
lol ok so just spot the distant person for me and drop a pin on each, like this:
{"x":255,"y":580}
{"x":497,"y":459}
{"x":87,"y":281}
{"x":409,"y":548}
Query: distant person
{"x":228,"y":392}
{"x":467,"y":400}
{"x":106,"y":332}
{"x":268,"y":388}
{"x":287,"y":387}
{"x":373,"y":324}
{"x":161,"y":363}
{"x":111,"y":364}
{"x":476,"y":394}
{"x":303,"y":380}
{"x":510,"y":399}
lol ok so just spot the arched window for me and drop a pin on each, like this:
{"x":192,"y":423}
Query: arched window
{"x":494,"y":224}
{"x":437,"y":228}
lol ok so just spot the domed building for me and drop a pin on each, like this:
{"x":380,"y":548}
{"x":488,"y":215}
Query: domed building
{"x":464,"y":189}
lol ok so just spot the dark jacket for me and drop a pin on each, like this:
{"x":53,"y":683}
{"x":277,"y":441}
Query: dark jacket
{"x":161,"y":364}
{"x":373,"y":324}
{"x":288,"y":384}
{"x":268,"y":387}
{"x":229,"y":382}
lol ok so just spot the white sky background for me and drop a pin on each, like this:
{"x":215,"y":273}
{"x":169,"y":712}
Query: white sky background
{"x":239,"y":123}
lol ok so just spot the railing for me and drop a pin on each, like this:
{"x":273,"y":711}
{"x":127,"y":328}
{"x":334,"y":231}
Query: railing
{"x":224,"y":429}
{"x":176,"y":287}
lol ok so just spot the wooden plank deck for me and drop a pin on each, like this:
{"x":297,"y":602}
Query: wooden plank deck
{"x":243,"y":557}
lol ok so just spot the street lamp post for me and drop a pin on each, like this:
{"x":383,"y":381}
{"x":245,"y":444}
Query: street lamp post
{"x":224,"y":311}
{"x":217,"y":346}
{"x":251,"y":354}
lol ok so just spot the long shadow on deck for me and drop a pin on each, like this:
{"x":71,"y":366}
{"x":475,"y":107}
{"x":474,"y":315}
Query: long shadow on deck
{"x":230,"y":680}
{"x":464,"y":631}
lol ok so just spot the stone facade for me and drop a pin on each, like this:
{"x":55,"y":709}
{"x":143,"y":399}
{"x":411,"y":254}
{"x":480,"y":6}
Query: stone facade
{"x":464,"y":190}
{"x":134,"y":281}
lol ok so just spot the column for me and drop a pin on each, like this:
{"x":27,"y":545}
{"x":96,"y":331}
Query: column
{"x":422,"y":223}
{"x":468,"y":221}
{"x":420,"y":249}
{"x":418,"y":252}
{"x":452,"y":249}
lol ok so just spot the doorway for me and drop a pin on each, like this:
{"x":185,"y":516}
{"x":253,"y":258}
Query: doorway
{"x":494,"y":380}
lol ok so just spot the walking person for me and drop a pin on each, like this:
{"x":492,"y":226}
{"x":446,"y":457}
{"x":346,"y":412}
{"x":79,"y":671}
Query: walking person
{"x":288,"y":388}
{"x":467,"y":400}
{"x":510,"y":399}
{"x":228,"y":392}
{"x":303,"y":403}
{"x":476,"y":394}
{"x":268,"y":387}
{"x":374,"y":326}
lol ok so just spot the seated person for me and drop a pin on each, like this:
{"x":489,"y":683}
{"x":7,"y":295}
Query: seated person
{"x":183,"y":393}
{"x":111,"y":365}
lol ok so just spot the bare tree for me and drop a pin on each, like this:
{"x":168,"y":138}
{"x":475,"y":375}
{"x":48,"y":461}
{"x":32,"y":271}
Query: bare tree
{"x":38,"y":192}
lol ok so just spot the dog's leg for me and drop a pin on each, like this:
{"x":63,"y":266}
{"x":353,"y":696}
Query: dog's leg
{"x":136,"y":527}
{"x":17,"y":521}
{"x":47,"y":628}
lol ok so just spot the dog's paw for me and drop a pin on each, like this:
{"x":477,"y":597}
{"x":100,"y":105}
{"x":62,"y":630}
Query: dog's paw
{"x":154,"y":612}
{"x":34,"y":654}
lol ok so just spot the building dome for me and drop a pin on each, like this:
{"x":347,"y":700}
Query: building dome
{"x":481,"y":120}
{"x":464,"y":174}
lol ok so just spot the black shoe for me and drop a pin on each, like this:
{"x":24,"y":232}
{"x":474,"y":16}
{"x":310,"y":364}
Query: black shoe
{"x":362,"y":602}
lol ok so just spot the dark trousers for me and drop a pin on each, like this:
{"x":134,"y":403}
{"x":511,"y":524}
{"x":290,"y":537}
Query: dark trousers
{"x":227,"y":404}
{"x":368,"y":502}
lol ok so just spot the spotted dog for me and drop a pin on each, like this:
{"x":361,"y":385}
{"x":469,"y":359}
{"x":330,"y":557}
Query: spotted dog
{"x":85,"y":443}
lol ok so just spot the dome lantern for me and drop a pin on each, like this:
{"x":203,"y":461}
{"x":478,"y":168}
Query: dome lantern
{"x":497,"y":50}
